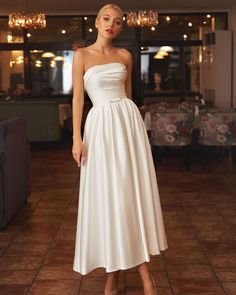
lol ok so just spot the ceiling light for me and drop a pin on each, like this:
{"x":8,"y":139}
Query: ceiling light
{"x":168,"y":18}
{"x":48,"y":54}
{"x":9,"y":38}
{"x":34,"y":20}
{"x":208,"y":16}
{"x":167,"y":48}
{"x":190,"y":24}
{"x":142,"y":18}
{"x":158,"y":56}
{"x":163,"y":53}
{"x":63,"y":31}
{"x":58,"y":58}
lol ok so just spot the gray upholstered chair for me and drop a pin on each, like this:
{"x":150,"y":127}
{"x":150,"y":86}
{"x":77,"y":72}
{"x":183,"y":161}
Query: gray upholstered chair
{"x":14,"y":168}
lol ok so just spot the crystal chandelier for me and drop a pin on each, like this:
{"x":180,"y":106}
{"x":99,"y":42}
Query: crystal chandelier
{"x":32,"y":20}
{"x":142,"y":18}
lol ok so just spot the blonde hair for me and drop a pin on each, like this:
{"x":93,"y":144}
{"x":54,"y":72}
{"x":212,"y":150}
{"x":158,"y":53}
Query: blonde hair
{"x":109,"y":5}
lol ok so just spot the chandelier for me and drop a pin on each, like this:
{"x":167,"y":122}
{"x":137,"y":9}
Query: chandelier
{"x":24,"y":20}
{"x":142,"y":18}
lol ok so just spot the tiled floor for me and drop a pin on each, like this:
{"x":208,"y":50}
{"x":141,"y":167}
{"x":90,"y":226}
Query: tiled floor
{"x":37,"y":248}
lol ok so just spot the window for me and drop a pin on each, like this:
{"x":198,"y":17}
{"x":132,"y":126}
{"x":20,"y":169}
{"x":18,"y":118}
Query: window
{"x":160,"y":73}
{"x":51,"y":72}
{"x":11,"y":73}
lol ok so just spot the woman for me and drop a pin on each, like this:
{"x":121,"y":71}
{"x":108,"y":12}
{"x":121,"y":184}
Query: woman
{"x":120,"y":220}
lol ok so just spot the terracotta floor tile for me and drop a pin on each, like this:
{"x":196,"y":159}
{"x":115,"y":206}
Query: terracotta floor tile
{"x":134,"y":291}
{"x":211,"y":225}
{"x":27,"y":248}
{"x":51,"y":219}
{"x":8,"y":277}
{"x":69,"y":222}
{"x":193,"y":271}
{"x":215,"y":247}
{"x":13,"y":289}
{"x":58,"y":258}
{"x":63,"y":246}
{"x":230,"y":288}
{"x":226,"y":275}
{"x":197,"y":287}
{"x":133,"y":280}
{"x":58,"y":204}
{"x":49,"y":211}
{"x":2,"y":250}
{"x":6,"y":238}
{"x":161,"y":279}
{"x":223,"y":260}
{"x":68,"y":234}
{"x":215,"y":235}
{"x":55,"y":287}
{"x":37,"y":248}
{"x":58,"y":272}
{"x":179,"y":256}
{"x":20,"y":263}
{"x":93,"y":284}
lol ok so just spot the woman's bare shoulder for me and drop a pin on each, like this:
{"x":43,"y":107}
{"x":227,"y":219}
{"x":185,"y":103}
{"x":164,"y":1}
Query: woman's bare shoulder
{"x":124,"y":52}
{"x":81,"y":52}
{"x":125,"y":55}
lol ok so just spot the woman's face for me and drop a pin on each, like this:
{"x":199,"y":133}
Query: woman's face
{"x":109,"y":23}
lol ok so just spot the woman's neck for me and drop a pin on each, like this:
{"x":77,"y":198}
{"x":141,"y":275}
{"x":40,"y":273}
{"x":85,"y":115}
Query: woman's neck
{"x":103,"y":45}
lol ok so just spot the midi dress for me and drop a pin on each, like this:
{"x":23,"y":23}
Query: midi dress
{"x":120,"y":222}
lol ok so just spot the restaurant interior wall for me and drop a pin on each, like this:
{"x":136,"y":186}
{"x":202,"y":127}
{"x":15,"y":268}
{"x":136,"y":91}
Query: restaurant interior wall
{"x":80,"y":31}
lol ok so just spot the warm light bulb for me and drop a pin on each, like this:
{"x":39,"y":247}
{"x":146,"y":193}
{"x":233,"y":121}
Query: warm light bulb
{"x":63,"y":31}
{"x":168,"y":18}
{"x":9,"y":38}
{"x":190,"y":24}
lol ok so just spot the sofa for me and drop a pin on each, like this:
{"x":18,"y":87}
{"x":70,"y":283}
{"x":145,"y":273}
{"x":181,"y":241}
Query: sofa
{"x":14,"y":168}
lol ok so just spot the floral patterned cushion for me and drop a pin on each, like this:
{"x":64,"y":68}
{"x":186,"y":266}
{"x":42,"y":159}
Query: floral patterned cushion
{"x":217,"y":128}
{"x":171,"y":129}
{"x":162,"y":106}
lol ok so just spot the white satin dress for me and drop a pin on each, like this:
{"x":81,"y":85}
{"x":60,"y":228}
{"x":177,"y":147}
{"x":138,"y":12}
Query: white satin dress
{"x":120,"y":222}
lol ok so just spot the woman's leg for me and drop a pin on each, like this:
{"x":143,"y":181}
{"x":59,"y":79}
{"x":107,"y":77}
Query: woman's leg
{"x":146,"y":276}
{"x":112,"y":281}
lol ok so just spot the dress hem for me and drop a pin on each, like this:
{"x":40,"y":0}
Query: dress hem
{"x":121,"y":268}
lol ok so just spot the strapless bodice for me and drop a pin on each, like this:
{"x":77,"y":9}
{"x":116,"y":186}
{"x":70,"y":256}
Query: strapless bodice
{"x":105,"y":83}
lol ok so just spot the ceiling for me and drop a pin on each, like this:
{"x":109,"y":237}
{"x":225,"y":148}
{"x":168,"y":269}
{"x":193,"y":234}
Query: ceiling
{"x":92,"y":6}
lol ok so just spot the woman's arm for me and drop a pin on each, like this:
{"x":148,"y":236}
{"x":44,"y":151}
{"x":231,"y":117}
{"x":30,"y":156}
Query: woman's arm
{"x":77,"y":105}
{"x":128,"y":83}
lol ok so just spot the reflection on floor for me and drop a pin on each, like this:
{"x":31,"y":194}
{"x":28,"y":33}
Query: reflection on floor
{"x":37,"y":248}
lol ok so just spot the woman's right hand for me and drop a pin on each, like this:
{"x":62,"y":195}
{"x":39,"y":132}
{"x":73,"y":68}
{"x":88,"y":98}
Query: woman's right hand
{"x":79,"y":152}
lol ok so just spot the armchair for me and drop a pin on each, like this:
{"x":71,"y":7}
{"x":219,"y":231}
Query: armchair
{"x":14,"y":168}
